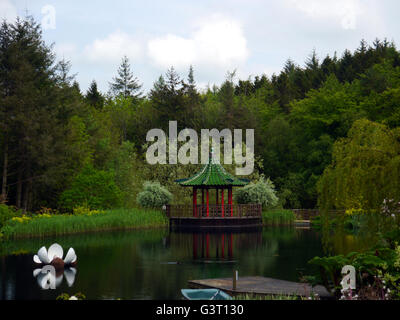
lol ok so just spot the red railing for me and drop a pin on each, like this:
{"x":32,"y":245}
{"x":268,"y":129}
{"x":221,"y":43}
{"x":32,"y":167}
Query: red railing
{"x":214,"y":211}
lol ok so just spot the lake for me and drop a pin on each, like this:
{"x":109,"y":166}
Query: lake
{"x":156,"y":264}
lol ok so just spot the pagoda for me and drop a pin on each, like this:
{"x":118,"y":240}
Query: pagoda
{"x":213,"y":178}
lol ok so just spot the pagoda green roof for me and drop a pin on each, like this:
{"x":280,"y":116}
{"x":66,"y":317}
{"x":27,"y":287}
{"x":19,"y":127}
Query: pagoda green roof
{"x":213,"y":174}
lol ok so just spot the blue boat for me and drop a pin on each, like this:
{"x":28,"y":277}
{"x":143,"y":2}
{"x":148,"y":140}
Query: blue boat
{"x":205,"y":294}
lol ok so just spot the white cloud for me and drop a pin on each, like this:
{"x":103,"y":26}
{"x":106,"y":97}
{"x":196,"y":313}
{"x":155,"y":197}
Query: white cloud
{"x":217,"y":42}
{"x":7,"y":10}
{"x":66,"y":50}
{"x":346,"y":12}
{"x":113,"y":48}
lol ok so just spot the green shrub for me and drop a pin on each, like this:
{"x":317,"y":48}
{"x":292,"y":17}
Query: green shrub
{"x":94,"y":189}
{"x":262,"y":192}
{"x":7,"y":213}
{"x":154,"y":195}
{"x":371,"y":267}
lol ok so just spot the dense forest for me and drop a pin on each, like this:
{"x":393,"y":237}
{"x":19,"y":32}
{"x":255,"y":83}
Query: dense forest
{"x":338,"y":114}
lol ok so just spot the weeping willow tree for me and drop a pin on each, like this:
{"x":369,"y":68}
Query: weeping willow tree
{"x":364,"y":170}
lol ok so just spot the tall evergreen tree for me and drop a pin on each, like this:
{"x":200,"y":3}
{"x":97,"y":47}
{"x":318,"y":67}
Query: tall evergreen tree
{"x":193,"y":114}
{"x":31,"y":108}
{"x":190,"y":86}
{"x":124,"y":83}
{"x":167,"y":97}
{"x":94,"y":97}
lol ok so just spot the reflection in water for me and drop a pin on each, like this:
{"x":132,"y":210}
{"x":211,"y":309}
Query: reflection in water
{"x":219,"y":246}
{"x":156,"y":264}
{"x":201,"y":246}
{"x":48,"y":280}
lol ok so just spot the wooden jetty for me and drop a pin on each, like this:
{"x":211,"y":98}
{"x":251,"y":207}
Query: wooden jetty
{"x":261,"y":286}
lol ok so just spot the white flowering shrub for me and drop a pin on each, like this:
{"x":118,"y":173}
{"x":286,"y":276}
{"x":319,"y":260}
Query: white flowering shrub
{"x":154,"y":195}
{"x":262,"y":192}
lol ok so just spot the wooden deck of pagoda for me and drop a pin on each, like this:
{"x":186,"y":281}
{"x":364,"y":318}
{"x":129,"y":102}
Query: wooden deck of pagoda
{"x":215,"y":216}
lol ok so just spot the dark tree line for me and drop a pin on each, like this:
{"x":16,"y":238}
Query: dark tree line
{"x":50,"y":131}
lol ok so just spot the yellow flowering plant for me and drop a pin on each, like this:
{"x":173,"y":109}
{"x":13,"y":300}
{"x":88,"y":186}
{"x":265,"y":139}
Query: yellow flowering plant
{"x":44,"y":215}
{"x":22,"y":219}
{"x":85,"y":211}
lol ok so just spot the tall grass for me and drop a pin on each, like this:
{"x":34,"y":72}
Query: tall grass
{"x":119,"y":219}
{"x":278,"y":217}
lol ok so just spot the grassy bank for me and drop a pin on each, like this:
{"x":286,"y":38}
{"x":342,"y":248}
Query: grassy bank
{"x":278,"y":217}
{"x":53,"y":225}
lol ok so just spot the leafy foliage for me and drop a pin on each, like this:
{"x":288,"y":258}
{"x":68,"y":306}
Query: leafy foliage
{"x":92,"y":188}
{"x":372,"y":267}
{"x":7,"y":213}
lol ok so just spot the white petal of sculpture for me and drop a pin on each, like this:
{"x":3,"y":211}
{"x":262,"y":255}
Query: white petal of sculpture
{"x":42,"y":254}
{"x":42,"y":279}
{"x":55,"y":251}
{"x":36,"y":259}
{"x":36,"y":272}
{"x":70,"y":276}
{"x":70,"y":257}
{"x":45,"y":280}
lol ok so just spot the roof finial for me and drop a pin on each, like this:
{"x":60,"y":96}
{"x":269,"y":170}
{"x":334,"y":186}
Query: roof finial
{"x":211,"y":155}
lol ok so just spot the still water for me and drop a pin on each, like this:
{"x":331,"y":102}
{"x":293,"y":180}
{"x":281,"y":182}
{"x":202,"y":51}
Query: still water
{"x":156,"y":264}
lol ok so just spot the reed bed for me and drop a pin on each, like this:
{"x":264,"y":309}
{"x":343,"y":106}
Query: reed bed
{"x":278,"y":217}
{"x":120,"y":219}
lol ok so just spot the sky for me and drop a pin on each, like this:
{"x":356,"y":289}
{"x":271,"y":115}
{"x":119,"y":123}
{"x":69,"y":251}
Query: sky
{"x":253,"y":37}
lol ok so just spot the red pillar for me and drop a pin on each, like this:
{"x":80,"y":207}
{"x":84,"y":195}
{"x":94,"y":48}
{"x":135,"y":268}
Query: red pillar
{"x":194,"y":202}
{"x":208,"y":204}
{"x":230,"y":200}
{"x":222,"y":203}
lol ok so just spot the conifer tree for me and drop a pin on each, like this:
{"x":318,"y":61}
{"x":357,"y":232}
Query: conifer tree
{"x":31,"y":108}
{"x":124,"y":83}
{"x":94,"y":97}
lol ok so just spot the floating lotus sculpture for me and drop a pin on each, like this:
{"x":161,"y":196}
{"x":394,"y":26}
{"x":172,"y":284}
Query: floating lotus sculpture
{"x":54,"y":257}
